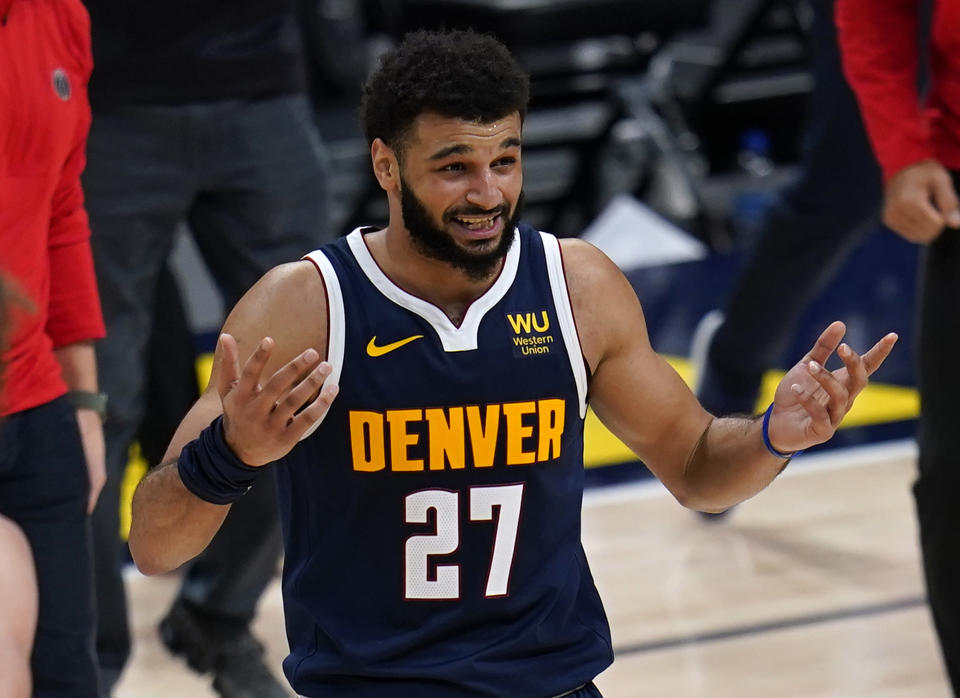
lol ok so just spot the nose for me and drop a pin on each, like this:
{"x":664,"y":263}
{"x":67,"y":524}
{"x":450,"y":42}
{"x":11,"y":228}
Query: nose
{"x":484,"y":191}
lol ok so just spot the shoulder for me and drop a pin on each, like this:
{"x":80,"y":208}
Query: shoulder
{"x":586,"y":267}
{"x":289,"y":303}
{"x":605,"y":306}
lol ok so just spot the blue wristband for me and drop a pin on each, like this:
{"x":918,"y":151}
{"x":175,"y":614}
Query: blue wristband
{"x":211,"y":471}
{"x":766,"y":437}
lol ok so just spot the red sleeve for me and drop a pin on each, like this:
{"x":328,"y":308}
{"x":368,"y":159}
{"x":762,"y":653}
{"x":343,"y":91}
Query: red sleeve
{"x":74,"y":311}
{"x":878,"y":43}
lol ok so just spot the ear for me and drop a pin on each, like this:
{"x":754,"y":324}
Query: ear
{"x":386,"y":167}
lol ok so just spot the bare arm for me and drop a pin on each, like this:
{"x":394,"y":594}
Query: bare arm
{"x":706,"y":463}
{"x":78,"y":366}
{"x":170,"y":524}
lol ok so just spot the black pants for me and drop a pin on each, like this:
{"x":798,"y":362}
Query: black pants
{"x":805,"y":237}
{"x":938,"y":483}
{"x":44,"y":488}
{"x":249,"y":179}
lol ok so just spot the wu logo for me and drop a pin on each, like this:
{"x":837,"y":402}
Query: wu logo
{"x":523,"y":323}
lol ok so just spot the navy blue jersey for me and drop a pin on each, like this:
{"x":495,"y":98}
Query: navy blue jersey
{"x":432,"y":519}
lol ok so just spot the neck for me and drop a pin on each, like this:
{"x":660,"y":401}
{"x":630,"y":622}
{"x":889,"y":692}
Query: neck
{"x":450,"y":289}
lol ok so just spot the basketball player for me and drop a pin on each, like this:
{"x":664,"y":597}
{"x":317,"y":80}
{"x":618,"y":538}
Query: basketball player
{"x":431,"y":513}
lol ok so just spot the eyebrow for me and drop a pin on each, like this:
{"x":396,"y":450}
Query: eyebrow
{"x":462,"y":148}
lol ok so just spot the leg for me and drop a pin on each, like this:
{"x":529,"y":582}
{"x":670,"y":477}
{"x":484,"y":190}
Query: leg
{"x":265,"y":205}
{"x":804,"y":238}
{"x":45,"y":492}
{"x":136,"y":184}
{"x":172,"y":377}
{"x":939,"y":480}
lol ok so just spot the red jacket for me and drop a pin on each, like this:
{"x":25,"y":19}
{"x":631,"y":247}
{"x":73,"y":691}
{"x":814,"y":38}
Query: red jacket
{"x":45,"y":63}
{"x":878,"y":42}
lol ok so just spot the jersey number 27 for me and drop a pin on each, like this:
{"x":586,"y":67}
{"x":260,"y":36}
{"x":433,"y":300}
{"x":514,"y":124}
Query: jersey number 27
{"x":420,"y":548}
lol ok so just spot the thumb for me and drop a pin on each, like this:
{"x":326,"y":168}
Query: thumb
{"x":227,"y":364}
{"x":945,"y":199}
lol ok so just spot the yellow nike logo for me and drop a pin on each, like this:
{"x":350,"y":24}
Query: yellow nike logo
{"x":374,"y":350}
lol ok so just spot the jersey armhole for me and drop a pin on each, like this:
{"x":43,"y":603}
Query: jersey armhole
{"x":568,"y":327}
{"x":336,"y":322}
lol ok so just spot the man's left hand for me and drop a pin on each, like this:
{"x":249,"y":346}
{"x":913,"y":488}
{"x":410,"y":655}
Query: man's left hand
{"x":811,"y":401}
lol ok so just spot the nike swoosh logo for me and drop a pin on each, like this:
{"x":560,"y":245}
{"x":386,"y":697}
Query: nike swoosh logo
{"x":374,"y":350}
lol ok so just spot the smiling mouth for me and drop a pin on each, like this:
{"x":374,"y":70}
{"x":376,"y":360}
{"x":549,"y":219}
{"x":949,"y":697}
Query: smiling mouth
{"x":477,"y":224}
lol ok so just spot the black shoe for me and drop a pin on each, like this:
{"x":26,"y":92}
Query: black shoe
{"x":236,"y":661}
{"x":241,"y":672}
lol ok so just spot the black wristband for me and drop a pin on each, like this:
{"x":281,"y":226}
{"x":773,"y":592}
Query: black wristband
{"x":210,"y":470}
{"x":89,"y":400}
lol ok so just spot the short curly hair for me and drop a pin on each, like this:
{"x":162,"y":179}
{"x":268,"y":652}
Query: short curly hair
{"x":457,"y":73}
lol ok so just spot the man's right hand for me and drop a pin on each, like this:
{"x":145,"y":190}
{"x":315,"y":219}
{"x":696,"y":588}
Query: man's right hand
{"x":263,"y":422}
{"x":919,"y":201}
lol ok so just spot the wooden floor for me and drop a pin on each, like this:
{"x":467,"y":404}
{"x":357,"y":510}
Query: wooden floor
{"x":812,"y":589}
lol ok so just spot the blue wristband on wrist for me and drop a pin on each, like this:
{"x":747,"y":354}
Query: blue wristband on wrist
{"x":211,"y":471}
{"x":766,"y":437}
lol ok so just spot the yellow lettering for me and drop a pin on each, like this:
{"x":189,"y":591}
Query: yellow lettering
{"x":447,"y":438}
{"x":366,"y":441}
{"x":520,"y":322}
{"x":483,"y":434}
{"x":401,"y":440}
{"x":546,"y":323}
{"x":517,"y":432}
{"x":551,"y":414}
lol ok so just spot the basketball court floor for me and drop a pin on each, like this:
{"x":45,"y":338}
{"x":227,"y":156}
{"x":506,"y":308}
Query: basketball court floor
{"x":812,"y":589}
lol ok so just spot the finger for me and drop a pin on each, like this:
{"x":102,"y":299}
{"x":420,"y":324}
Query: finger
{"x":289,"y":374}
{"x":305,"y":391}
{"x":924,"y":212}
{"x":253,"y":368}
{"x":837,"y":395}
{"x":914,"y":219}
{"x":314,"y":411}
{"x":945,"y":199}
{"x":874,"y":358}
{"x":826,"y":343}
{"x":856,"y":371}
{"x":819,"y":416}
{"x":228,"y":364}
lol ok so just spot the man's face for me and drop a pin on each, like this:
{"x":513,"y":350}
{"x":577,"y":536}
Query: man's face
{"x":461,"y":190}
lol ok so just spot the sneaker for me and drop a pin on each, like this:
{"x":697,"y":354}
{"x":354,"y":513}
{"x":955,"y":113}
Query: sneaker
{"x":236,"y":662}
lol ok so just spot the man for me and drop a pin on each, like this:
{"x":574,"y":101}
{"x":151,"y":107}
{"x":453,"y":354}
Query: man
{"x":432,"y":512}
{"x":51,"y":442}
{"x":201,"y":119}
{"x":918,"y":148}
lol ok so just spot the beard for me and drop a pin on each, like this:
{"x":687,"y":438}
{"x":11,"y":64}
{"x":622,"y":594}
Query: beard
{"x":436,"y":243}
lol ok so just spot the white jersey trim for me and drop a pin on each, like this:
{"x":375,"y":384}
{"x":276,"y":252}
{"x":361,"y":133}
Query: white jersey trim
{"x":452,"y":338}
{"x":568,"y":328}
{"x":336,"y":323}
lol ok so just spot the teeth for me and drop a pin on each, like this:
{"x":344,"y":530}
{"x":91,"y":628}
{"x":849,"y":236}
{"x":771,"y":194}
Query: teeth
{"x":480,"y":224}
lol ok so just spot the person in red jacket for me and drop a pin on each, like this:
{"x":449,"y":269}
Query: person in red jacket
{"x":51,"y":438}
{"x":917,"y":143}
